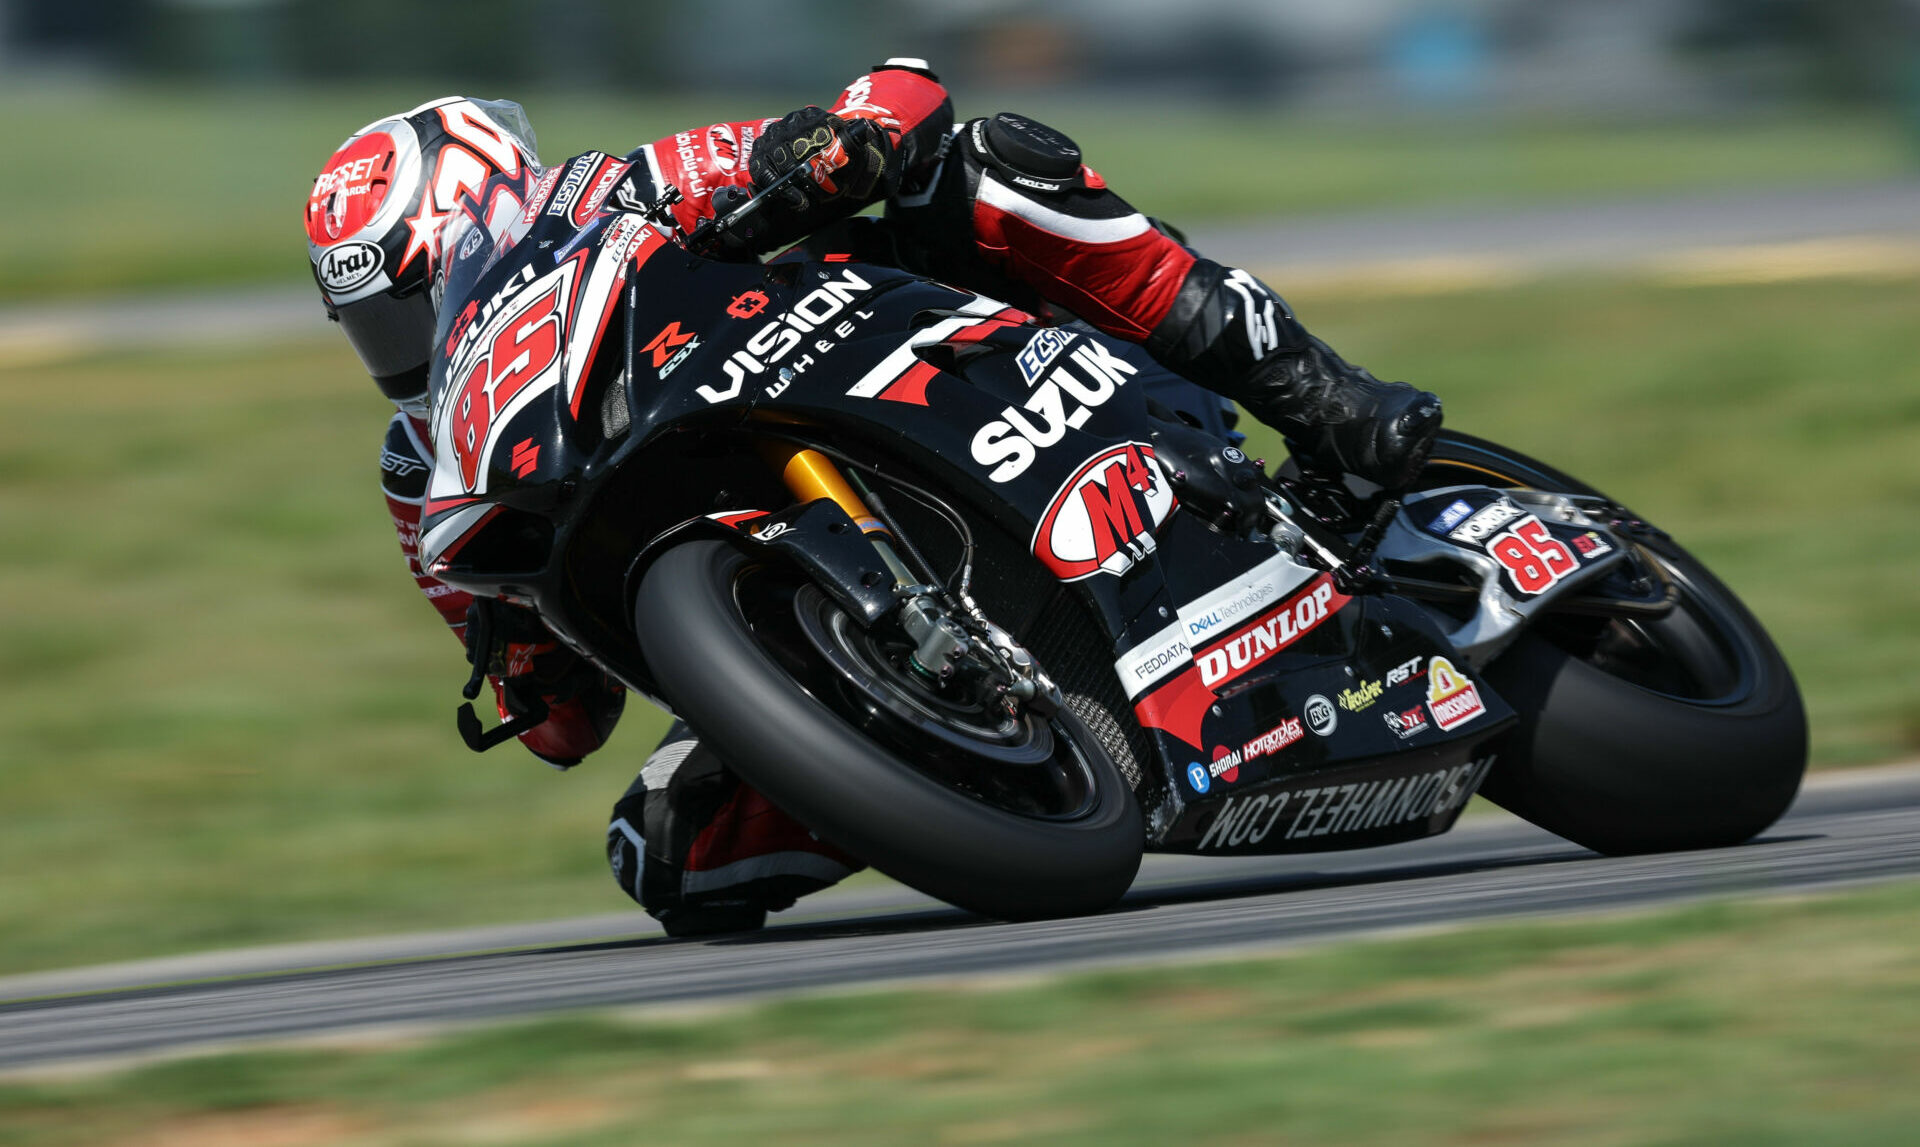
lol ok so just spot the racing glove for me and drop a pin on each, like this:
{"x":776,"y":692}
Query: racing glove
{"x":573,"y":704}
{"x":847,"y":163}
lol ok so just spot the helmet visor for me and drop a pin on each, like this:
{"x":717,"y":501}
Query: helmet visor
{"x":392,"y":336}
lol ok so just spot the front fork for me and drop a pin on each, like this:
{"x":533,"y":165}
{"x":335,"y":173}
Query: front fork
{"x":942,"y":633}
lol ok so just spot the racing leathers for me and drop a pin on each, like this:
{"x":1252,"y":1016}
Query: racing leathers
{"x":1002,"y":205}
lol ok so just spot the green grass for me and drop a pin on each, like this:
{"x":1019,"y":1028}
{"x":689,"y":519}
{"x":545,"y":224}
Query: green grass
{"x":228,"y":712}
{"x":1762,"y":1023}
{"x":130,"y":187}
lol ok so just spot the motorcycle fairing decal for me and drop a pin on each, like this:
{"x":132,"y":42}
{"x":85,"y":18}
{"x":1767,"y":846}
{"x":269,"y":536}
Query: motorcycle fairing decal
{"x":628,"y":236}
{"x":1159,"y":656}
{"x":911,"y":386}
{"x":1178,"y":707}
{"x":513,"y":361}
{"x":898,"y":361}
{"x":1101,"y":519}
{"x":446,"y":537}
{"x":737,"y":518}
{"x":1063,"y":400}
{"x":1337,"y":807}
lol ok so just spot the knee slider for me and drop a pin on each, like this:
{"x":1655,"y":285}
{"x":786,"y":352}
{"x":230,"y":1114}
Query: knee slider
{"x":1025,"y":153}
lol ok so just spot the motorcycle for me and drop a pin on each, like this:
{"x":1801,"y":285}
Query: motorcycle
{"x":996,"y":605}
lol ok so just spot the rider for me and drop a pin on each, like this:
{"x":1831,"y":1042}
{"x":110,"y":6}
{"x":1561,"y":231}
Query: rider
{"x":1002,"y":205}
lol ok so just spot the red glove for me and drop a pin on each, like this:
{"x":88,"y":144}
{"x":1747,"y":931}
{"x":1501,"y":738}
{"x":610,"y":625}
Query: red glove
{"x":573,"y":704}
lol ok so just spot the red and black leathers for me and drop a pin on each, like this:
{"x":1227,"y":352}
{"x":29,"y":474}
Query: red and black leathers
{"x":1001,"y":205}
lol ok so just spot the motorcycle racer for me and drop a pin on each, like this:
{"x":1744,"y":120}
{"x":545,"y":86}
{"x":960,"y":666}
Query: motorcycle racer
{"x":1001,"y":205}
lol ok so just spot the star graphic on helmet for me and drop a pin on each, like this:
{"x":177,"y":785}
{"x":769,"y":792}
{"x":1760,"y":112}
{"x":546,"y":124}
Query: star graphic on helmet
{"x":424,"y":234}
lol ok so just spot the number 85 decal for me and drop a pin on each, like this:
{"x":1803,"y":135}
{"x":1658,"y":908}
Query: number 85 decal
{"x":1531,"y":556}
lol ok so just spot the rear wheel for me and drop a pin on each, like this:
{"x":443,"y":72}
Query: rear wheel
{"x":1006,"y":814}
{"x":1644,"y":735}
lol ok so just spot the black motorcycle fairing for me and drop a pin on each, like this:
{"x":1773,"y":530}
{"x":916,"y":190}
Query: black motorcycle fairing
{"x":668,"y":368}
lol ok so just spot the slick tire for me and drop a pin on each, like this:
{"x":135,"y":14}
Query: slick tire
{"x":1615,"y":764}
{"x":811,"y":762}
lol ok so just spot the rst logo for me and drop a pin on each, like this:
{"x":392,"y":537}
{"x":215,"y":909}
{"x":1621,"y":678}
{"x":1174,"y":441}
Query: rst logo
{"x":1101,"y":519}
{"x":776,"y":340}
{"x":1256,"y":643}
{"x":349,"y":265}
{"x":1064,"y":401}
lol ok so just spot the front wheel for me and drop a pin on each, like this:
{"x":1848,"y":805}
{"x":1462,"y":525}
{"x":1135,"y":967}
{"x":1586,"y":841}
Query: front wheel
{"x":1636,"y":736}
{"x":1006,"y":815}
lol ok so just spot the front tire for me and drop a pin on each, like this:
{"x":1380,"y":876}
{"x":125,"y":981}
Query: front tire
{"x":727,"y":661}
{"x":1644,"y":736}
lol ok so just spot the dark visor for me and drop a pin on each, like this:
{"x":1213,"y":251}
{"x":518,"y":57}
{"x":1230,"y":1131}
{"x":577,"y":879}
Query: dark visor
{"x":393,"y":337}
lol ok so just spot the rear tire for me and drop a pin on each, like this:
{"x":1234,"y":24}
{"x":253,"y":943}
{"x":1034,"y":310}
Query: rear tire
{"x":718,"y":652}
{"x":1686,"y":732}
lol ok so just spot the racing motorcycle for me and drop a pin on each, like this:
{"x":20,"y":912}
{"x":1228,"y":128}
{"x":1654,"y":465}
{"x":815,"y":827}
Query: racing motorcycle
{"x":996,"y":604}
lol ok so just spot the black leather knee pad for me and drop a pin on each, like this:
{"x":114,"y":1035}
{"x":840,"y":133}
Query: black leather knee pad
{"x":1025,"y":153}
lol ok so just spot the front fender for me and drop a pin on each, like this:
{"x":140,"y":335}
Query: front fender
{"x":818,"y":537}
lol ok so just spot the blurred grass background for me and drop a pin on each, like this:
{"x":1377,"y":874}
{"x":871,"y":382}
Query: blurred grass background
{"x":229,"y":712}
{"x":1771,"y":1023}
{"x":132,"y":187}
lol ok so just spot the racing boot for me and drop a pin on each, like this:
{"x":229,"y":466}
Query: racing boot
{"x":706,"y":854}
{"x":1233,"y":334}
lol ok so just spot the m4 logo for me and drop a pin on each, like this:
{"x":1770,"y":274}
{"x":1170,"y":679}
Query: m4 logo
{"x":526,"y":348}
{"x":1102,"y":518}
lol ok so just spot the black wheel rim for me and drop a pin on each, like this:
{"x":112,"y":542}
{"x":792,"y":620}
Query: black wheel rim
{"x":1027,"y":767}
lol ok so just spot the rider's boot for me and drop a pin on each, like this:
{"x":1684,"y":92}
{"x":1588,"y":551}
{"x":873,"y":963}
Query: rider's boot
{"x":705,"y":854}
{"x":1233,"y":334}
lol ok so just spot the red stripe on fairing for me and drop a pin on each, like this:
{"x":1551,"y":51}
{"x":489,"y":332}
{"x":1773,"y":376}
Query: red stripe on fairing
{"x":738,"y":516}
{"x":1177,"y":707}
{"x":1122,"y":288}
{"x":911,"y":386}
{"x":440,"y":505}
{"x":460,"y":542}
{"x":593,"y":348}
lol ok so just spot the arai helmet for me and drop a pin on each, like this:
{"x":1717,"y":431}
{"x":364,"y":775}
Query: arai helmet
{"x":374,"y":223}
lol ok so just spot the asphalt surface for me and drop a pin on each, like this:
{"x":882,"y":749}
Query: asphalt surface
{"x":1843,"y":830}
{"x":1387,"y":246}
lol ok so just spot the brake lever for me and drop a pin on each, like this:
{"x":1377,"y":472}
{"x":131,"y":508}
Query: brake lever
{"x":480,"y":739}
{"x":708,"y":234}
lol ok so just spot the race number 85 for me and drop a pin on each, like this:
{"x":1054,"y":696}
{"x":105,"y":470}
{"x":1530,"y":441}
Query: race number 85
{"x":1531,"y":556}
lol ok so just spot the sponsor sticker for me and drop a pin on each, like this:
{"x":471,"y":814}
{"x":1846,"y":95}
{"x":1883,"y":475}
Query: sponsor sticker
{"x":1405,"y":671}
{"x":1452,"y":698}
{"x":1407,"y":722}
{"x":1361,"y":696}
{"x":1592,"y":545}
{"x":1306,"y":811}
{"x":1101,"y":519}
{"x":1040,"y":351}
{"x":1256,"y":643}
{"x":1198,"y":777}
{"x":772,"y":344}
{"x":1321,"y":716}
{"x":1451,"y":516}
{"x":1274,"y":740}
{"x":1078,"y":383}
{"x":349,"y":265}
{"x":1225,"y":765}
{"x":1211,"y":614}
{"x":1486,"y":522}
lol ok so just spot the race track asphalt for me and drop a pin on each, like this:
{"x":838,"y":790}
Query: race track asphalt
{"x":1844,"y":829}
